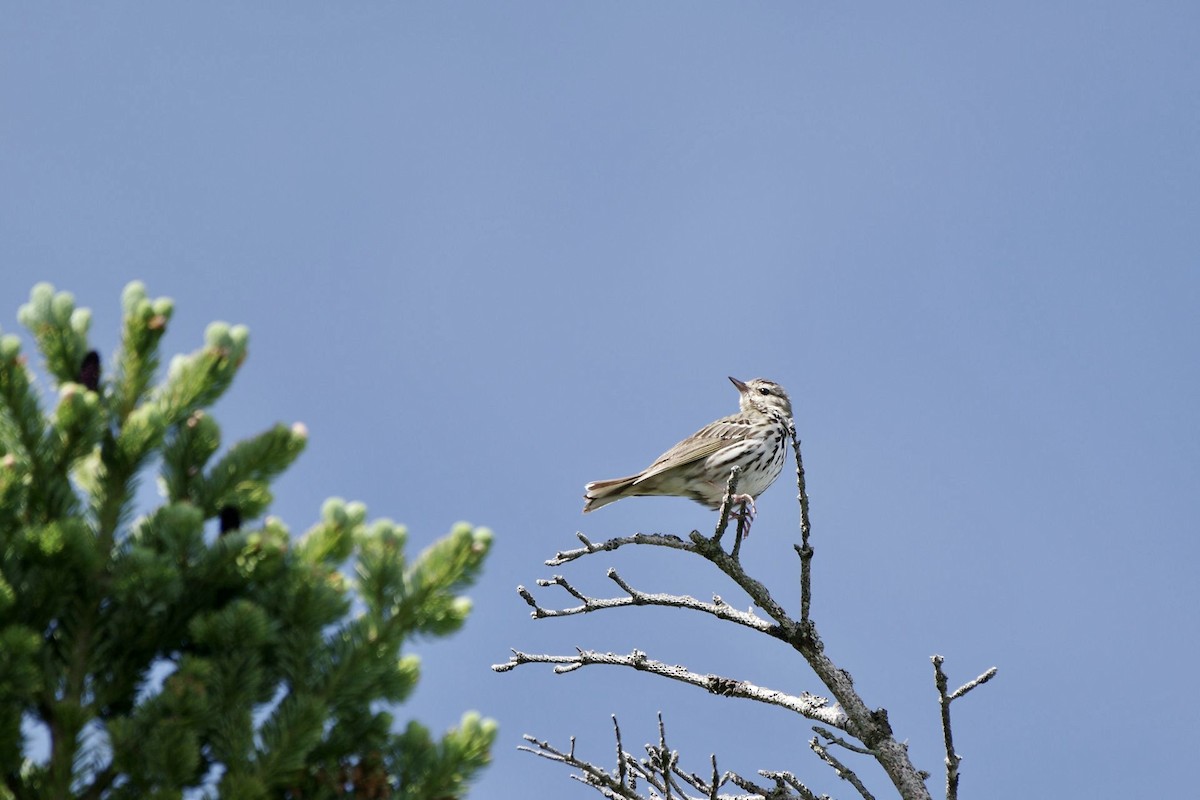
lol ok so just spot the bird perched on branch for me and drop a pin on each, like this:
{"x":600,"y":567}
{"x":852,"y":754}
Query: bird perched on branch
{"x":699,"y":466}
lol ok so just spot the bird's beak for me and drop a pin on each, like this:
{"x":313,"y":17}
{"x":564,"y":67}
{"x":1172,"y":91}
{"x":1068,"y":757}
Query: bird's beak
{"x":741,"y":387}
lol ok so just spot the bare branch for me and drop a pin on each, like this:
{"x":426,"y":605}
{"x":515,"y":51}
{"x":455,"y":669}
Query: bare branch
{"x":804,"y":549}
{"x":657,"y":539}
{"x":726,"y":507}
{"x":661,"y":771}
{"x":788,"y":779}
{"x":843,"y":772}
{"x":743,"y":521}
{"x":833,"y":739}
{"x":789,"y":630}
{"x":622,"y":772}
{"x":743,"y":530}
{"x":589,"y":603}
{"x":953,"y":759}
{"x":966,"y":687}
{"x":809,"y":705}
{"x":666,"y":761}
{"x":718,"y":608}
{"x":593,"y":775}
{"x":786,"y":787}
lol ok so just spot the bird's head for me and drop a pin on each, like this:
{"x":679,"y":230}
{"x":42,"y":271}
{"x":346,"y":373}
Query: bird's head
{"x":764,"y":396}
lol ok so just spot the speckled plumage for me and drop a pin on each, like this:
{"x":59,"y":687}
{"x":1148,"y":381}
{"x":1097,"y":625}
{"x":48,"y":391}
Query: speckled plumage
{"x":698,"y":467}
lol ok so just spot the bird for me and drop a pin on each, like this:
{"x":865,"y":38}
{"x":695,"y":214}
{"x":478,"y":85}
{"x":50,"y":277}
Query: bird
{"x":699,"y":466}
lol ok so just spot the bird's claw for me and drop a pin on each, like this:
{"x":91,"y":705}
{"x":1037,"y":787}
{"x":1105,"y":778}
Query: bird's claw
{"x":746,"y":501}
{"x":745,"y":513}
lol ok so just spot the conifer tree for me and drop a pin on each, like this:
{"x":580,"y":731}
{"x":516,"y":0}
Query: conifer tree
{"x":199,"y":646}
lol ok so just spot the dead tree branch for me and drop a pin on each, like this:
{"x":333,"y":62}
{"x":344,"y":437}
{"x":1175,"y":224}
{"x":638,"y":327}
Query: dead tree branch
{"x":804,"y":549}
{"x":661,"y":771}
{"x":717,"y":608}
{"x":843,"y":772}
{"x":869,"y":726}
{"x":953,"y":759}
{"x":809,"y":705}
{"x":849,"y":714}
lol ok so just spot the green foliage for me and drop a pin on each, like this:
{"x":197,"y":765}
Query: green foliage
{"x":162,"y":655}
{"x":59,"y":329}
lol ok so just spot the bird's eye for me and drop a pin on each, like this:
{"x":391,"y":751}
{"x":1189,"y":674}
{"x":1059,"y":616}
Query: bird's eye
{"x":763,"y":390}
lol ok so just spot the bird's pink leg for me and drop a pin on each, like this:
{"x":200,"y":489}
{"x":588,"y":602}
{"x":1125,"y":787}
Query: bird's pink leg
{"x":747,"y":511}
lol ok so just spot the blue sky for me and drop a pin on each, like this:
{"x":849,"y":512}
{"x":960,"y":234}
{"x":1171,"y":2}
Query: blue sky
{"x":490,"y":252}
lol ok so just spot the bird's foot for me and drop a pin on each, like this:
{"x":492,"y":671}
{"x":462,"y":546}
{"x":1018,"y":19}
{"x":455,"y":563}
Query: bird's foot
{"x":745,"y":514}
{"x":747,"y":503}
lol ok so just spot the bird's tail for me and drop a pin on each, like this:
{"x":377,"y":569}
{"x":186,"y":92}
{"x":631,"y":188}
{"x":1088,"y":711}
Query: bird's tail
{"x":601,"y":493}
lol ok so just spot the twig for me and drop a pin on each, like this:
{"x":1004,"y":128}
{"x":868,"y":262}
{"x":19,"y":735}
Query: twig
{"x":969,"y":685}
{"x":718,"y":608}
{"x":833,"y":739}
{"x":592,"y":775}
{"x":660,"y":770}
{"x":787,"y":787}
{"x":953,"y":759}
{"x":788,"y":629}
{"x":666,"y":760}
{"x":788,"y":779}
{"x":843,"y":772}
{"x":726,"y":506}
{"x":589,"y":603}
{"x":657,"y":539}
{"x":743,"y":530}
{"x":804,"y":549}
{"x":809,"y":705}
{"x":622,"y":772}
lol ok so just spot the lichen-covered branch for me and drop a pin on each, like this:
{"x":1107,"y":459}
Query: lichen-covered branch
{"x":590,"y":547}
{"x":809,"y":705}
{"x":843,"y":772}
{"x":717,"y":608}
{"x":660,"y":770}
{"x":945,"y":697}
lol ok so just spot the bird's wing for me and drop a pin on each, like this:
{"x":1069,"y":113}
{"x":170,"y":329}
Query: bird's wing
{"x":698,"y":446}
